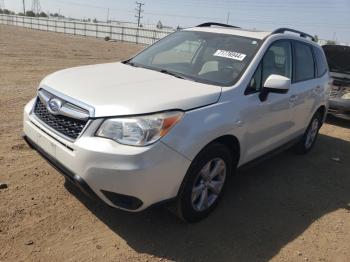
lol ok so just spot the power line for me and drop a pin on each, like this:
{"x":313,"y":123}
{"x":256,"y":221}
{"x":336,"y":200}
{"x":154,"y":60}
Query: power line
{"x":262,"y":20}
{"x":267,"y":4}
{"x":62,"y":3}
{"x":254,"y":20}
{"x":138,"y":13}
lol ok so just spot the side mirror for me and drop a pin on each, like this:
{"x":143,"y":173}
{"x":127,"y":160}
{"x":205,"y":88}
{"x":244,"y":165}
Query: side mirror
{"x":275,"y":84}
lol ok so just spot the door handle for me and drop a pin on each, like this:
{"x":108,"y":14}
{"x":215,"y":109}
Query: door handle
{"x":293,"y":98}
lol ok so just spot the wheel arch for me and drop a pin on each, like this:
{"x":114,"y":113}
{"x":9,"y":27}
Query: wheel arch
{"x":322,"y":110}
{"x":232,"y":144}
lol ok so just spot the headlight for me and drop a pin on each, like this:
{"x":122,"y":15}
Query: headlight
{"x":346,"y":96}
{"x":139,"y":130}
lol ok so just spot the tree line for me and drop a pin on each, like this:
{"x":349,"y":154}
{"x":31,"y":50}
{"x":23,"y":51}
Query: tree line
{"x":30,"y":13}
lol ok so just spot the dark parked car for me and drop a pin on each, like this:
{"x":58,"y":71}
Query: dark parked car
{"x":338,"y":58}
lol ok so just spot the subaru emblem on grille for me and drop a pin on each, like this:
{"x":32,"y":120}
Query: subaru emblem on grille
{"x":54,"y":106}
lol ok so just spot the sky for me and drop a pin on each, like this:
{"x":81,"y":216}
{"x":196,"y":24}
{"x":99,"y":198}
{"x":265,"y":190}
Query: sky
{"x":329,"y":19}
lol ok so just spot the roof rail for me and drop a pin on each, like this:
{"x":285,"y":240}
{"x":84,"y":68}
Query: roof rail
{"x":302,"y":34}
{"x":208,"y":24}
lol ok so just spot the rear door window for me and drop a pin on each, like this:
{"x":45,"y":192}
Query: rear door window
{"x":304,"y":62}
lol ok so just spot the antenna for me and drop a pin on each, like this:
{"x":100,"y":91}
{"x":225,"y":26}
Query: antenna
{"x":228,"y":17}
{"x":36,"y":7}
{"x":138,"y":13}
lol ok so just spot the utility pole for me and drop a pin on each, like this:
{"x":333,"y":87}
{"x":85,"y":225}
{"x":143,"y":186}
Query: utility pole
{"x":2,"y":4}
{"x":107,"y":15}
{"x":24,"y":7}
{"x":36,"y":7}
{"x":228,"y":17}
{"x":334,"y":36}
{"x":138,"y":13}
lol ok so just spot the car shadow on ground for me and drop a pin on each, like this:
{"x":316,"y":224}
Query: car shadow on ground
{"x":264,"y":208}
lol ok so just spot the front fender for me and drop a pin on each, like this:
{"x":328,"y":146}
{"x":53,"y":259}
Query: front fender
{"x":201,"y":126}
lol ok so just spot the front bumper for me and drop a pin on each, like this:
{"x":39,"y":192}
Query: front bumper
{"x":76,"y":180}
{"x":125,"y":177}
{"x":339,"y":108}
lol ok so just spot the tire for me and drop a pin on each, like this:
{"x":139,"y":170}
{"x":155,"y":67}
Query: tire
{"x":310,"y":136}
{"x":192,"y":205}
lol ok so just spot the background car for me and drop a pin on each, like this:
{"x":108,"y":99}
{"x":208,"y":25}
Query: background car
{"x":338,"y":58}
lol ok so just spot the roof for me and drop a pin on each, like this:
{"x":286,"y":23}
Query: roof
{"x":231,"y":31}
{"x":213,"y":27}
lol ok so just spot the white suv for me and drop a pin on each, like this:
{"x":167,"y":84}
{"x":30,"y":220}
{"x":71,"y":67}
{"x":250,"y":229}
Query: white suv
{"x":175,"y":121}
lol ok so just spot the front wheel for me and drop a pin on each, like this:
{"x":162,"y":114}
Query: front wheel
{"x":309,"y":138}
{"x":204,"y":183}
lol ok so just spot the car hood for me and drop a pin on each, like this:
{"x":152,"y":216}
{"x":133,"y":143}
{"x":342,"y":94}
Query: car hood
{"x":338,"y":58}
{"x":116,"y":89}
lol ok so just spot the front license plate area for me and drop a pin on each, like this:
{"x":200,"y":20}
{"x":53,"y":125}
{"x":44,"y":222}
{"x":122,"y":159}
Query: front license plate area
{"x":48,"y":146}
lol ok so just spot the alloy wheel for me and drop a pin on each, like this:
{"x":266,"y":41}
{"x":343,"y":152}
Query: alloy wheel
{"x":312,"y":133}
{"x":208,"y":184}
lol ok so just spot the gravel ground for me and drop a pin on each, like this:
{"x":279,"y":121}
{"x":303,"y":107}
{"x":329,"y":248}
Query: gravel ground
{"x":289,"y":208}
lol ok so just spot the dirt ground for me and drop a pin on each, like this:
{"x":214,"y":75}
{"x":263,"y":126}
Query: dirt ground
{"x":289,"y":208}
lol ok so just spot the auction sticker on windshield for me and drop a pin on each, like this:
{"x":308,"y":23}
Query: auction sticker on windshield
{"x":230,"y":54}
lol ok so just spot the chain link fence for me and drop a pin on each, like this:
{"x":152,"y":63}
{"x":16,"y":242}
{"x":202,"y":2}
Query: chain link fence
{"x":135,"y":34}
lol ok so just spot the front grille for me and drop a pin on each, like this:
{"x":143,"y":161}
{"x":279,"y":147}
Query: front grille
{"x":67,"y":126}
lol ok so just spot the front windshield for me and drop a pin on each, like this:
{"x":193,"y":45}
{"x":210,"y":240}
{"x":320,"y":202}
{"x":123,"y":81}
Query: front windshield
{"x":218,"y":59}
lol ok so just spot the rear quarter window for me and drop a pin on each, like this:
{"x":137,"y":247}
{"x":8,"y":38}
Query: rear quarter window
{"x":322,"y":66}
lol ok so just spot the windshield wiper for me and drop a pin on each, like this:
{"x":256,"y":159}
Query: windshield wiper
{"x":128,"y":62}
{"x":164,"y":71}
